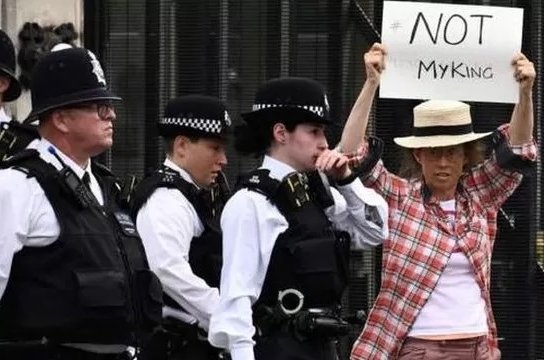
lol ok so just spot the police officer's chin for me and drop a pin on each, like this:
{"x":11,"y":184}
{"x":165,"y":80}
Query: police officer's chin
{"x":312,"y":165}
{"x":100,"y":150}
{"x":206,"y":184}
{"x":211,"y":183}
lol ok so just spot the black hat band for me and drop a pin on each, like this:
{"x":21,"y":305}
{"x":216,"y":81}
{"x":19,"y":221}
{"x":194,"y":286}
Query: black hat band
{"x":318,"y":110}
{"x":442,"y":130}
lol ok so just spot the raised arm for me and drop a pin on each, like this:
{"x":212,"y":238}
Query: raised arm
{"x":355,"y":128}
{"x":522,"y":121}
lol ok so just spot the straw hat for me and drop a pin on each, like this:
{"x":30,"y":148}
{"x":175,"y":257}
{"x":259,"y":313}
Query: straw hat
{"x":440,"y":123}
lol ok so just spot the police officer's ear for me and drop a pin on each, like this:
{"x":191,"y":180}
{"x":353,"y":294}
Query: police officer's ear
{"x":4,"y":83}
{"x":180,"y":140}
{"x":280,"y":133}
{"x":58,"y":120}
{"x":180,"y":145}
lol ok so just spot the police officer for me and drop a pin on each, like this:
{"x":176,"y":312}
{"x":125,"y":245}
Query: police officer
{"x":286,"y":231}
{"x":13,"y":135}
{"x":178,"y":210}
{"x":10,"y":89}
{"x":74,"y":280}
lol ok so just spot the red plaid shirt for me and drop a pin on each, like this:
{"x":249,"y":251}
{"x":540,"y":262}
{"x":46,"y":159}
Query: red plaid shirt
{"x":420,"y":243}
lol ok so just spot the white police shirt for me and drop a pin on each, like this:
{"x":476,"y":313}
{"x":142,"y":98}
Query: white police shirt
{"x":27,"y":218}
{"x":4,"y":117}
{"x":251,"y":225}
{"x":167,"y":223}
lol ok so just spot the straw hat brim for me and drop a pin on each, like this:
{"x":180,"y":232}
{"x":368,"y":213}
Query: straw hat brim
{"x":414,"y":142}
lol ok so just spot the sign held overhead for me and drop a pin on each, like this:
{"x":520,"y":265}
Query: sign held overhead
{"x":445,"y":51}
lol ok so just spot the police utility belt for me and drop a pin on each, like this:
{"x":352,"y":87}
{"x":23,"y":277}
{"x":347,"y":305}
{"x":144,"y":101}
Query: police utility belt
{"x":290,"y":316}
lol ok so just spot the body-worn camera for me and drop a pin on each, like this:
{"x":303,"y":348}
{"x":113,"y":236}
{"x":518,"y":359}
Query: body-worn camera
{"x":76,"y":187}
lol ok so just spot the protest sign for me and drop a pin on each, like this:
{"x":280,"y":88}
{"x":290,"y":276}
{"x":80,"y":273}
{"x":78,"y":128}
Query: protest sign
{"x":446,"y":51}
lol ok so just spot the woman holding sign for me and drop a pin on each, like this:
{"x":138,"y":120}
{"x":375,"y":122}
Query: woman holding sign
{"x":434,"y":301}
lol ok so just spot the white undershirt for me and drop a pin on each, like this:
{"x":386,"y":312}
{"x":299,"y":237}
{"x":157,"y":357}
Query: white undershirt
{"x":456,"y":305}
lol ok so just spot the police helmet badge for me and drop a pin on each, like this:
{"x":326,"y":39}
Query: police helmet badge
{"x":227,"y":119}
{"x":97,"y":69}
{"x":326,"y":102}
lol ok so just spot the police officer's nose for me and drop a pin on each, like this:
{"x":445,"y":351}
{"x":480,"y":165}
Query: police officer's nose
{"x":323,"y":144}
{"x":112,"y":116}
{"x":106,"y":111}
{"x":223,"y":158}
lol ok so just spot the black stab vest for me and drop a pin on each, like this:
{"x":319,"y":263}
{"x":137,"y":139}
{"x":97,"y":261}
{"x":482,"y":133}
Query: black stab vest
{"x":93,"y":283}
{"x":309,"y":256}
{"x":205,"y":252}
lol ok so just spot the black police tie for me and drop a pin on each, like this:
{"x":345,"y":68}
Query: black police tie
{"x":86,"y":179}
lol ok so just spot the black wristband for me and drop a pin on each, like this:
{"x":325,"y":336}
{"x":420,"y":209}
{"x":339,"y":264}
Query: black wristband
{"x":508,"y":160}
{"x":374,"y":154}
{"x":347,"y":180}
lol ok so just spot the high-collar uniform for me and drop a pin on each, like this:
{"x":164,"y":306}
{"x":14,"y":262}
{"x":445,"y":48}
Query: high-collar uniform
{"x":251,"y":225}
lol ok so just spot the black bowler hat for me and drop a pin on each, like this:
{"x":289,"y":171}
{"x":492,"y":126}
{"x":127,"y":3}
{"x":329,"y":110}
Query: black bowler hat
{"x":67,"y":77}
{"x":7,"y":66}
{"x":291,"y":99}
{"x":195,"y":115}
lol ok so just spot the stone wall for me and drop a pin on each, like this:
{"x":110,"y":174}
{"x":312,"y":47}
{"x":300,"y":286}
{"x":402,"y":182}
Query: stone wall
{"x":14,"y":13}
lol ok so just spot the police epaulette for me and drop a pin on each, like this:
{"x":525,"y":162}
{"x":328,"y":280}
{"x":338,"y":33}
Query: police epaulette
{"x":287,"y":195}
{"x":259,"y":181}
{"x":18,"y":158}
{"x":169,"y":176}
{"x":163,"y":177}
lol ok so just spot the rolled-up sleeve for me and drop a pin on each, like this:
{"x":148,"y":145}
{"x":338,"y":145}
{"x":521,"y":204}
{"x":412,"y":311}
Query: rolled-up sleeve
{"x":361,"y":212}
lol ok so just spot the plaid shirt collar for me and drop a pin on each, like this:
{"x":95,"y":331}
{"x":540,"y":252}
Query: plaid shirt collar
{"x":426,"y":194}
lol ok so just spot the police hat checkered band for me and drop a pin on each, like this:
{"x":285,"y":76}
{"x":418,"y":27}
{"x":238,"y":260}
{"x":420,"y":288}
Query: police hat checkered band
{"x":318,"y":110}
{"x":212,"y":126}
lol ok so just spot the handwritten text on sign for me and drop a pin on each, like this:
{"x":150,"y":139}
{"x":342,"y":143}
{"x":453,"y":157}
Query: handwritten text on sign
{"x":454,"y":52}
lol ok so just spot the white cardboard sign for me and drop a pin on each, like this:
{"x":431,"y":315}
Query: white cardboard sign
{"x":450,"y":52}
